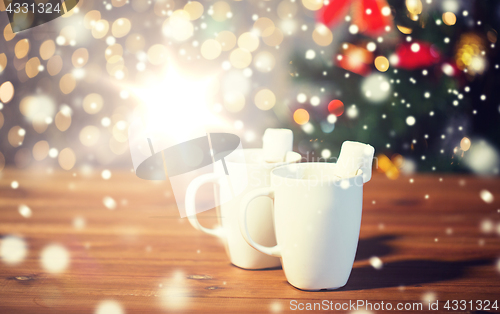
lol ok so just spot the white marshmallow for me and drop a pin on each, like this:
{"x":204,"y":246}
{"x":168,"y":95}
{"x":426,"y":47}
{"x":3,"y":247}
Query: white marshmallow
{"x":276,"y":143}
{"x":355,"y":157}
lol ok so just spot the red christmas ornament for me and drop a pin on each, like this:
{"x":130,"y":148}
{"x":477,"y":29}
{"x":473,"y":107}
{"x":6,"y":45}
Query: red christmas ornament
{"x":355,"y":59}
{"x":371,"y":16}
{"x":415,"y":55}
{"x":336,"y":107}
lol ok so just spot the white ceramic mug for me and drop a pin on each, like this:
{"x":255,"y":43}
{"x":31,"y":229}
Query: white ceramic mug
{"x":317,"y":217}
{"x":260,"y":224}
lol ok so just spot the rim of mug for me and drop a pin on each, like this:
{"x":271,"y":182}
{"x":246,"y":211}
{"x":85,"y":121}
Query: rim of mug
{"x":307,"y":164}
{"x":295,"y":159}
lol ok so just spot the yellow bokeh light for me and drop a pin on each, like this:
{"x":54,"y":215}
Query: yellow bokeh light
{"x":385,"y":165}
{"x":157,"y":54}
{"x":449,"y":18}
{"x":40,"y":150}
{"x":264,"y":26}
{"x":91,"y":18}
{"x":287,"y":10}
{"x":62,"y":121}
{"x":312,"y":5}
{"x":80,"y":57}
{"x":121,"y":27}
{"x":135,"y":42}
{"x":195,"y":10}
{"x":234,"y":101}
{"x":248,"y":41}
{"x":67,"y":158}
{"x":67,"y":35}
{"x":414,"y":6}
{"x":116,"y":67}
{"x":47,"y":49}
{"x":16,"y":136}
{"x":264,"y":61}
{"x":221,"y":10}
{"x":39,"y":123}
{"x":178,"y":26}
{"x":118,"y":148}
{"x":322,"y":35}
{"x":274,"y":39}
{"x":22,"y":48}
{"x":8,"y":34}
{"x":54,"y":65}
{"x":113,"y":50}
{"x":465,"y":144}
{"x":100,"y":29}
{"x":211,"y":49}
{"x":227,"y":40}
{"x":381,"y":63}
{"x":6,"y":92}
{"x":120,"y":131}
{"x":3,"y":62}
{"x":89,"y":135}
{"x":118,"y":3}
{"x":240,"y":58}
{"x":265,"y":99}
{"x":301,"y":116}
{"x":32,"y":67}
{"x":161,"y":8}
{"x":92,"y":103}
{"x":404,"y":29}
{"x":67,"y":83}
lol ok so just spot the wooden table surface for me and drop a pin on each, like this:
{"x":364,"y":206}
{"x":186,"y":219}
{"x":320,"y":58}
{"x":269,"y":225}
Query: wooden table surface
{"x":143,"y":256}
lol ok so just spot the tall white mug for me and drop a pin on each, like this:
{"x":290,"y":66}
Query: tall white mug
{"x":317,"y":217}
{"x":260,"y":224}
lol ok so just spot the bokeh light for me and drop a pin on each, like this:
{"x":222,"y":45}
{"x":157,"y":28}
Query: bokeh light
{"x":13,"y":250}
{"x":211,"y":49}
{"x":336,"y":107}
{"x":6,"y":92}
{"x":265,"y":99}
{"x":240,"y":58}
{"x":322,"y":35}
{"x":109,"y":307}
{"x":22,"y":48}
{"x":449,"y":18}
{"x":67,"y":158}
{"x":248,"y":41}
{"x":54,"y":258}
{"x":301,"y":116}
{"x":41,"y":150}
{"x":89,"y":135}
{"x":381,"y":63}
{"x":234,"y":101}
{"x":92,"y":103}
{"x":47,"y":49}
{"x":226,"y":39}
{"x":194,"y":9}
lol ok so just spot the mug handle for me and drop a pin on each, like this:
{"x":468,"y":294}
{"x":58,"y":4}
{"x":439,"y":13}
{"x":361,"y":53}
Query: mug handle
{"x":267,"y":191}
{"x":191,"y":207}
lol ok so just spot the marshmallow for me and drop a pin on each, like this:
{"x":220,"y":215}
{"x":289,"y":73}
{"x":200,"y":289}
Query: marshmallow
{"x":277,"y":142}
{"x":355,"y":158}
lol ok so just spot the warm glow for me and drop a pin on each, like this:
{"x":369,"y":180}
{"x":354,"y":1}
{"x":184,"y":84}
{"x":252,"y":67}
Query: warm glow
{"x":177,"y":104}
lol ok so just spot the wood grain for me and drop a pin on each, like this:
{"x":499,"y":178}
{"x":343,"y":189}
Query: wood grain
{"x":144,"y":256}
